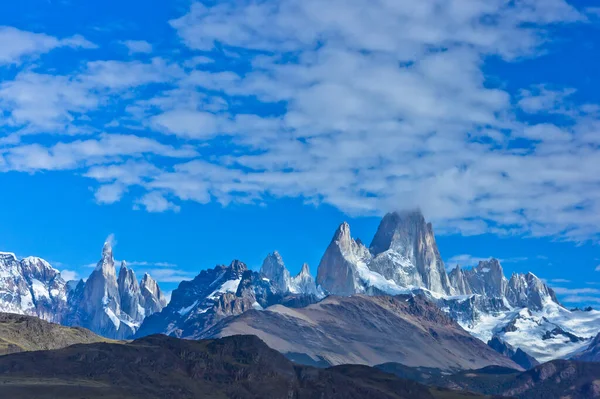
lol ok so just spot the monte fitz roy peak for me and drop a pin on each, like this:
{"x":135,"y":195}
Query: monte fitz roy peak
{"x":110,"y":305}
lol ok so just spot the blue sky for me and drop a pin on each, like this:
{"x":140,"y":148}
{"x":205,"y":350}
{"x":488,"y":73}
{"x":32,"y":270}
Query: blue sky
{"x":199,"y":132}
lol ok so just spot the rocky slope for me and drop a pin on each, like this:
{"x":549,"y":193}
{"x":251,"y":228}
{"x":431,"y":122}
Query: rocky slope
{"x":364,"y":330}
{"x":106,"y":304}
{"x":518,"y":356}
{"x":20,"y":333}
{"x":237,"y":367}
{"x":213,"y":295}
{"x":591,"y":353}
{"x":558,"y":379}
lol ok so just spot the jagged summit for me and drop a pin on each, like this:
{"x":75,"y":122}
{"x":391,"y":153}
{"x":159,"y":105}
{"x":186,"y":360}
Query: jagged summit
{"x":395,"y":228}
{"x":106,"y":262}
{"x":339,"y":270}
{"x":305,"y":271}
{"x":275,"y":270}
{"x":403,"y":255}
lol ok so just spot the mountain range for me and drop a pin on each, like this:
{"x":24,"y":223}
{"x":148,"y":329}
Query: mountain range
{"x":111,"y":306}
{"x":361,"y":294}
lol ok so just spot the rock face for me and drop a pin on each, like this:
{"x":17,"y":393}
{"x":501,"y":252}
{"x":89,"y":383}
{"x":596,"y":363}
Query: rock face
{"x":459,"y":281}
{"x":516,"y":355}
{"x":339,"y":271}
{"x":303,"y":283}
{"x":487,"y":279}
{"x":152,"y":300}
{"x":365,"y":330}
{"x":213,"y":295}
{"x":274,"y":269}
{"x":106,"y":304}
{"x":408,"y":237}
{"x":114,"y":307}
{"x":31,"y":287}
{"x":592,"y":353}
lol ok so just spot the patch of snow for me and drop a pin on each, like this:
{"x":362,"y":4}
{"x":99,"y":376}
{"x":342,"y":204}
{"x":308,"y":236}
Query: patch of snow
{"x":531,"y":326}
{"x":113,"y":317}
{"x":39,"y":289}
{"x":188,"y":309}
{"x":228,"y":286}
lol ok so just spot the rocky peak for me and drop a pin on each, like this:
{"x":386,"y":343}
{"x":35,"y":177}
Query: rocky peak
{"x":305,"y":271}
{"x":129,"y":293}
{"x":527,"y":290}
{"x":153,"y":300}
{"x":338,"y":270}
{"x":274,"y":269}
{"x":487,"y":279}
{"x":398,"y":230}
{"x":304,"y":283}
{"x":459,"y":282}
{"x":31,"y":286}
{"x":406,"y":251}
{"x":238,"y":267}
{"x":38,"y":268}
{"x":106,"y":264}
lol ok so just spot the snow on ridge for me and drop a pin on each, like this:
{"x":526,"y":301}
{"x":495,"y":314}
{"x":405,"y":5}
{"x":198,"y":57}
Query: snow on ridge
{"x":230,"y":286}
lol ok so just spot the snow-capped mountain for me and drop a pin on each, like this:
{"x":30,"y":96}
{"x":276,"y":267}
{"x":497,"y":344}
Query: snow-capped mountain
{"x":211,"y":296}
{"x":405,"y":252}
{"x":303,"y":283}
{"x":31,"y":287}
{"x":403,"y":257}
{"x":114,"y":307}
{"x":110,"y":306}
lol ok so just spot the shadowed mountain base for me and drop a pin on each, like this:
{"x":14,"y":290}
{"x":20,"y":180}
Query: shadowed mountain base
{"x":161,"y":367}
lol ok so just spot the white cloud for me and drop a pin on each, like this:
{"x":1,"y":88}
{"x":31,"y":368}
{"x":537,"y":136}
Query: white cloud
{"x":68,"y":275}
{"x":597,"y":268}
{"x":466,"y":260}
{"x":167,"y":275}
{"x":18,"y":44}
{"x":137,"y":46}
{"x":157,"y":264}
{"x":156,"y":202}
{"x":581,"y":299}
{"x":366,"y":106}
{"x":576,"y":291}
{"x":111,"y":239}
{"x":109,"y":193}
{"x":560,"y":280}
{"x":74,"y":154}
